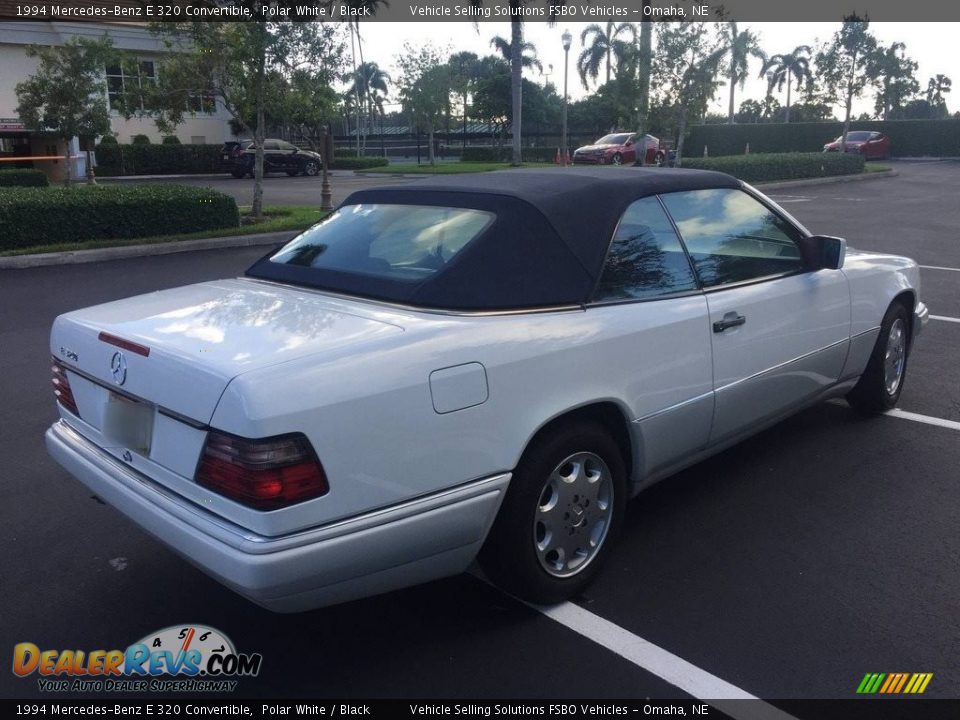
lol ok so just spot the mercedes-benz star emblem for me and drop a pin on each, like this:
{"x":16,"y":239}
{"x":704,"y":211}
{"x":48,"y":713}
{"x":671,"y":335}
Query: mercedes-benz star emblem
{"x":118,"y":368}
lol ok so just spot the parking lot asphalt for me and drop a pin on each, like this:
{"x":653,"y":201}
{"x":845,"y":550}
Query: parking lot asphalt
{"x":788,"y":566}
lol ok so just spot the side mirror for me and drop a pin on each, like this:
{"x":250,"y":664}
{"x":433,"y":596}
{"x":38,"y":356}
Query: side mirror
{"x":823,"y":252}
{"x":629,"y":143}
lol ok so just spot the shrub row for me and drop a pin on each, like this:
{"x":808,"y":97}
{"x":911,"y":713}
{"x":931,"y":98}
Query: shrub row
{"x":47,"y":216}
{"x":357,"y":163}
{"x":23,"y":178}
{"x":157,"y":159}
{"x":908,"y":138}
{"x":780,"y":166}
{"x":505,"y":154}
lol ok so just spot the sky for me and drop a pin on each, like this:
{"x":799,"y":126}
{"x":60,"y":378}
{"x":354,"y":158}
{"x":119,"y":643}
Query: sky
{"x":932,"y":45}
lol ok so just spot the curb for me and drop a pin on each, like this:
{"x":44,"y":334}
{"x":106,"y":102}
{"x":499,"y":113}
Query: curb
{"x":787,"y":184}
{"x":75,"y":257}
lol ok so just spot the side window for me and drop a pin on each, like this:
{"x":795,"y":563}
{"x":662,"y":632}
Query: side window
{"x":271,"y":145}
{"x":286,"y":147}
{"x":645,"y":258}
{"x":732,"y":237}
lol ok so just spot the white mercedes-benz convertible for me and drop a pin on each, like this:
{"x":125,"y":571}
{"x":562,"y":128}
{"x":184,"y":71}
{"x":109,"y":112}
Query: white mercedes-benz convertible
{"x":484,"y":368}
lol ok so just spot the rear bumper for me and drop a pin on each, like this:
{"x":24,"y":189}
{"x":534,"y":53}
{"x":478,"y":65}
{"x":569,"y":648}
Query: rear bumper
{"x":383,"y":550}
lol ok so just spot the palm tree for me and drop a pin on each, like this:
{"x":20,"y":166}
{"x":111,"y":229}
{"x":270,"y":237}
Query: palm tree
{"x":366,"y":7}
{"x":463,"y":67}
{"x":604,"y":45}
{"x":784,"y":68}
{"x":367,"y":79}
{"x":740,"y":47}
{"x":528,"y":52}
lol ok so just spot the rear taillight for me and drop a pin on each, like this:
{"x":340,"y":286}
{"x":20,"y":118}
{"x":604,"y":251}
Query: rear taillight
{"x":61,"y":386}
{"x":264,"y":474}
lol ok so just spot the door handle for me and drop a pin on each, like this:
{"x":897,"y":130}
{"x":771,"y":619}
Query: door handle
{"x":731,"y":319}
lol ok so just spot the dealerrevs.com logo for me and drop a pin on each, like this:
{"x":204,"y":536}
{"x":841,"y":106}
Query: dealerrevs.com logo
{"x":180,"y":658}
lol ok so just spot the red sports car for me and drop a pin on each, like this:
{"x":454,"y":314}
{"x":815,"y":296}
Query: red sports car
{"x":619,"y":149}
{"x":868,"y":143}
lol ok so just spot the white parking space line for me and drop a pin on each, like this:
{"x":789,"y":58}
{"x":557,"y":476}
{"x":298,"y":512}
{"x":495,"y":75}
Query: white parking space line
{"x":939,"y":267}
{"x":662,"y":663}
{"x":944,"y":318}
{"x":926,"y":419}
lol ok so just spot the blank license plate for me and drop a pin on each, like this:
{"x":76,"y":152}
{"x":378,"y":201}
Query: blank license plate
{"x":128,"y":423}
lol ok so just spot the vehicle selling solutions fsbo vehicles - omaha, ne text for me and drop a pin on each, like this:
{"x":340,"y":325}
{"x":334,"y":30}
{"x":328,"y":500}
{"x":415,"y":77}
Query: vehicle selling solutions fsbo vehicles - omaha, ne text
{"x":492,"y":365}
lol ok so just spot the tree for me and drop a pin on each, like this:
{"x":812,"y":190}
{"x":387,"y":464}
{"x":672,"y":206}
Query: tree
{"x":893,"y":79}
{"x":604,"y":45}
{"x":644,"y":69}
{"x":425,"y":88}
{"x":847,"y":64}
{"x":937,"y":87}
{"x":363,"y":8}
{"x":786,"y":67}
{"x":528,"y":52}
{"x":740,"y":47}
{"x":688,"y":59}
{"x":368,"y":80}
{"x":464,"y":69}
{"x":236,"y":64}
{"x":66,"y":96}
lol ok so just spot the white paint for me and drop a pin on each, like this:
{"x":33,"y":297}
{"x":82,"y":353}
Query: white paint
{"x":944,"y":318}
{"x":662,"y":663}
{"x":119,"y":564}
{"x":939,"y":267}
{"x":926,"y":419}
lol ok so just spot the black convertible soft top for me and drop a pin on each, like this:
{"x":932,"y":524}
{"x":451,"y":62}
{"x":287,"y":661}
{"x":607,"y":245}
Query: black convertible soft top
{"x":545,"y":248}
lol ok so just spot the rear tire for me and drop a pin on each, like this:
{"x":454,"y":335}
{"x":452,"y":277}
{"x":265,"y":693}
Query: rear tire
{"x":238,"y":174}
{"x":660,"y":159}
{"x":564,"y":507}
{"x":879,"y":388}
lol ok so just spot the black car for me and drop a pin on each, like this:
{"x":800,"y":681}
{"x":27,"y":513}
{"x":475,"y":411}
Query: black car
{"x":278,"y":156}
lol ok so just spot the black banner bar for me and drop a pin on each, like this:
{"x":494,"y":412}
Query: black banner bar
{"x":143,"y":11}
{"x":854,"y":709}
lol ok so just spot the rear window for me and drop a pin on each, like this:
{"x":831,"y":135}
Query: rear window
{"x":405,"y":243}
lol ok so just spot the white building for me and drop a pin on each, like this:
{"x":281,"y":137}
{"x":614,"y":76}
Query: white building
{"x":209,"y":124}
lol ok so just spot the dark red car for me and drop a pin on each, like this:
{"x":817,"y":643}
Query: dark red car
{"x":870,"y":144}
{"x":619,"y":149}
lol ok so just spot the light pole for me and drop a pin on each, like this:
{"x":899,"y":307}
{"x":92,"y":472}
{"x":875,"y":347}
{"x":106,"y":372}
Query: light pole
{"x":546,"y":75}
{"x":567,"y":39}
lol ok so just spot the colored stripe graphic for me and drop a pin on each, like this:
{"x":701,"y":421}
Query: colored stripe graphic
{"x":894,"y":683}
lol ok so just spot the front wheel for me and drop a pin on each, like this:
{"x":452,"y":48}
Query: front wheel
{"x":660,"y":159}
{"x":879,"y":388}
{"x":617,"y":159}
{"x":564,"y":505}
{"x":311,"y":168}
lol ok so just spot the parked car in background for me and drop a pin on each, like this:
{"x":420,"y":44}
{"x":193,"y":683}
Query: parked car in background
{"x":872,"y":145}
{"x":487,"y":365}
{"x":278,"y":156}
{"x":620,"y":149}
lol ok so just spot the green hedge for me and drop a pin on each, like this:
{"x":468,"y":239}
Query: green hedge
{"x":780,"y":166}
{"x":357,"y":163}
{"x":505,"y":154}
{"x":157,"y":159}
{"x":47,"y":216}
{"x":908,"y":138}
{"x":23,"y":178}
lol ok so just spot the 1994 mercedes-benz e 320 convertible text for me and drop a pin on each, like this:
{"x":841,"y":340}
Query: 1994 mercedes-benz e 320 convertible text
{"x":491,"y":366}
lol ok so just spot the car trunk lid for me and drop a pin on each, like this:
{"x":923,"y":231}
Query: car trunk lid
{"x":178,"y":349}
